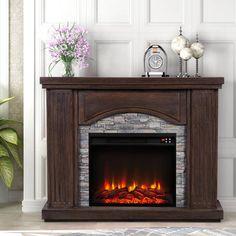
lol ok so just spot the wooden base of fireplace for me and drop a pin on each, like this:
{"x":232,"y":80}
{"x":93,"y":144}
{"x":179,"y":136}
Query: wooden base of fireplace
{"x":74,"y":102}
{"x":132,"y":214}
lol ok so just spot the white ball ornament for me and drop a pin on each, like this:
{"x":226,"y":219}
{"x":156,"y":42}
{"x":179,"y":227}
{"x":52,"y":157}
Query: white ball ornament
{"x":178,"y":43}
{"x":197,"y":49}
{"x":186,"y":54}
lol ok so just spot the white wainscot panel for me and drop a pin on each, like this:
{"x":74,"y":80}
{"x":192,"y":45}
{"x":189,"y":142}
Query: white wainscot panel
{"x":60,"y":11}
{"x":166,"y":11}
{"x":113,"y":11}
{"x":113,"y":58}
{"x":218,"y":11}
{"x":226,"y":178}
{"x":219,"y":61}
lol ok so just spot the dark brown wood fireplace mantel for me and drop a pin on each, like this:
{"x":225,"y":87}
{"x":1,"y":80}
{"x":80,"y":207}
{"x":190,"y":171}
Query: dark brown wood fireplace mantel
{"x":73,"y":102}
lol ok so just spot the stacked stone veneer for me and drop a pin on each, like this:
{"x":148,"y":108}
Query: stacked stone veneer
{"x":131,"y":123}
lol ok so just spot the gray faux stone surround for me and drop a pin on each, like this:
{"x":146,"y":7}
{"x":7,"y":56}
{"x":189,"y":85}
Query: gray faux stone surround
{"x":132,"y":123}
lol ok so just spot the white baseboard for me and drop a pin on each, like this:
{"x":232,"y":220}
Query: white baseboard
{"x":228,"y":204}
{"x":33,"y":205}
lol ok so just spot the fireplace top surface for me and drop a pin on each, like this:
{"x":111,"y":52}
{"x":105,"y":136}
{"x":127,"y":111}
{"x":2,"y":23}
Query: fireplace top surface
{"x":132,"y":83}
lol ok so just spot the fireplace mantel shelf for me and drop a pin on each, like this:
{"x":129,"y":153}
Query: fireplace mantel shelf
{"x":132,"y":83}
{"x":74,"y":102}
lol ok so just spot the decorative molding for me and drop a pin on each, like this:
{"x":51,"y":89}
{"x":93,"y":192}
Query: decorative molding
{"x":227,"y":94}
{"x":228,"y":204}
{"x":43,"y":17}
{"x":33,"y":205}
{"x":227,"y":148}
{"x":149,"y":20}
{"x":96,"y":20}
{"x":40,"y":111}
{"x":109,"y":42}
{"x":29,"y":100}
{"x":228,"y":23}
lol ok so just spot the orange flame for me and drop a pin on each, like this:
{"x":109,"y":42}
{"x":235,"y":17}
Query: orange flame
{"x":135,"y":193}
{"x":156,"y":185}
{"x":132,"y":187}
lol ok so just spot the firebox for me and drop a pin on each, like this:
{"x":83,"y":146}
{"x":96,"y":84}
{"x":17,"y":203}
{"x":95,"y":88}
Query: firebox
{"x":132,"y":169}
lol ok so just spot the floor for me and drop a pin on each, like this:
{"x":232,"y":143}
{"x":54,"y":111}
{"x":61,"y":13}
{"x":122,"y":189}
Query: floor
{"x":11,"y":218}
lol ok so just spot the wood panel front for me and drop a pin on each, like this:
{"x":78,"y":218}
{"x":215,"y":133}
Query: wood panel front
{"x":61,"y":144}
{"x":168,"y":105}
{"x":203,"y":149}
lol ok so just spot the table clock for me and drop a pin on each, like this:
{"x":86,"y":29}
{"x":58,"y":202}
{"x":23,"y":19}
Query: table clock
{"x":155,"y":61}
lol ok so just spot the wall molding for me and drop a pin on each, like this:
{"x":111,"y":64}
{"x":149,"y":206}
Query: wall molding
{"x":115,"y":42}
{"x":33,"y":205}
{"x":96,"y":16}
{"x":29,"y":103}
{"x":228,"y":204}
{"x":227,"y":148}
{"x":150,"y":22}
{"x":230,"y":23}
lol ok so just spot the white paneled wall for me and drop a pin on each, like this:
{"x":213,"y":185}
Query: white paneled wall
{"x":119,"y":32}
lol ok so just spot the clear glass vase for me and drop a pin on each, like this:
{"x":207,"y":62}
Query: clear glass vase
{"x":68,"y":68}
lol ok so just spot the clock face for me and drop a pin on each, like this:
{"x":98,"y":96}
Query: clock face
{"x":155,"y":61}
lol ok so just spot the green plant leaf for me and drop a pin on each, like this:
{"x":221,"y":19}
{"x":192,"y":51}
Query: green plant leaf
{"x":9,"y":122}
{"x":3,"y":151}
{"x":2,"y":101}
{"x":19,"y":142}
{"x":6,"y":171}
{"x":9,"y":135}
{"x":12,"y":151}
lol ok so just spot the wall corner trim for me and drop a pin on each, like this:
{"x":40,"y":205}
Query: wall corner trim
{"x":33,"y":205}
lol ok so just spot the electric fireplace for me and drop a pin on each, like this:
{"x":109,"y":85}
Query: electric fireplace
{"x":132,"y":169}
{"x":153,"y":157}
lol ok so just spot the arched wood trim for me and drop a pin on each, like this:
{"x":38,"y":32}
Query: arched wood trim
{"x":105,"y":114}
{"x":96,"y":105}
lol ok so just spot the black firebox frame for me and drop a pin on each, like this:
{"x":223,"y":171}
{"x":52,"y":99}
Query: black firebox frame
{"x":130,"y":139}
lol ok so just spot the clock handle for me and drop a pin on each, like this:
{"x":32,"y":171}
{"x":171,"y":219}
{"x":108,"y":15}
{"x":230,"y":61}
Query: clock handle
{"x":165,"y":57}
{"x":144,"y":59}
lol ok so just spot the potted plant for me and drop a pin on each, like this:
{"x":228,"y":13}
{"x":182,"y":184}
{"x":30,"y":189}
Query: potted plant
{"x":9,"y":148}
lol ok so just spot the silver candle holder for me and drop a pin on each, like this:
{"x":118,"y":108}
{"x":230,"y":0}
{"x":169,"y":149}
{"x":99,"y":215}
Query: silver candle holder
{"x":186,"y":54}
{"x":177,"y":44}
{"x":180,"y":59}
{"x":198,"y":51}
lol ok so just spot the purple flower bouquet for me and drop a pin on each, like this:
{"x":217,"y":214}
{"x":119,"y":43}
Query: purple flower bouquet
{"x":69,"y":44}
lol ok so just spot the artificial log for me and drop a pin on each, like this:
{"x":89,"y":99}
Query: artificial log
{"x":138,"y":195}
